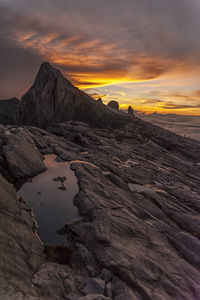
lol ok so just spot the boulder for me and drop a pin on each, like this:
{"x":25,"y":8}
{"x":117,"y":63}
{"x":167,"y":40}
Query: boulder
{"x":22,"y":156}
{"x":113,"y":104}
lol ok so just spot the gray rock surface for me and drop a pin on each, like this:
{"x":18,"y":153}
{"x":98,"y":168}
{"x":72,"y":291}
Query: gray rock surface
{"x":21,"y":155}
{"x":20,"y":248}
{"x":143,"y":245}
{"x":9,"y":111}
{"x":53,"y":98}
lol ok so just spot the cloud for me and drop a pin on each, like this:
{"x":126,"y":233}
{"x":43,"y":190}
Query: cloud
{"x":150,"y":101}
{"x":181,"y":106}
{"x":97,"y":95}
{"x":99,"y":43}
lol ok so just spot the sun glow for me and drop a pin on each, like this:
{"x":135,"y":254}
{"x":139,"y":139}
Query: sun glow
{"x":142,"y":81}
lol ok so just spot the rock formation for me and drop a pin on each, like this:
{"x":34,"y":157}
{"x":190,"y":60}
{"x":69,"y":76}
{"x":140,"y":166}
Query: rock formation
{"x":113,"y":104}
{"x":53,"y":98}
{"x":99,"y":100}
{"x":131,"y":111}
{"x":126,"y":245}
{"x":129,"y":243}
{"x":9,"y":111}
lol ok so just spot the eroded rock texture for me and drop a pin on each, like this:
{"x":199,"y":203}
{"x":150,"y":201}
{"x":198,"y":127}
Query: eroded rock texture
{"x":128,"y":244}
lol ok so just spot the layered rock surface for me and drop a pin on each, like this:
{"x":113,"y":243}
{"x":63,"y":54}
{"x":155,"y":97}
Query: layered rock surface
{"x":141,"y":244}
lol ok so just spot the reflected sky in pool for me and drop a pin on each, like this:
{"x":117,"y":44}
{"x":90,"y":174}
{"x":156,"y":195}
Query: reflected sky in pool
{"x":52,"y":206}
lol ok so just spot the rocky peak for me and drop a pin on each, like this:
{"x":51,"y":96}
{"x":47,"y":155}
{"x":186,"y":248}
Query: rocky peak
{"x":99,"y":100}
{"x":114,"y":104}
{"x":48,"y":73}
{"x":53,"y":99}
{"x":130,"y":111}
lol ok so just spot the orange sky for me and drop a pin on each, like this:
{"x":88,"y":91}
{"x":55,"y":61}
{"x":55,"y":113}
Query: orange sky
{"x":143,"y":54}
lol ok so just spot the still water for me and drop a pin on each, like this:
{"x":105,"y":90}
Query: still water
{"x":51,"y":202}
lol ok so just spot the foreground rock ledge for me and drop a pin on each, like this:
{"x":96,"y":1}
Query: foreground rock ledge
{"x":127,"y":245}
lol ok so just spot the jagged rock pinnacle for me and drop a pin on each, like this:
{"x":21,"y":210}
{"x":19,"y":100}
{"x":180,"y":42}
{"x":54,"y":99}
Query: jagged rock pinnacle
{"x":53,"y":99}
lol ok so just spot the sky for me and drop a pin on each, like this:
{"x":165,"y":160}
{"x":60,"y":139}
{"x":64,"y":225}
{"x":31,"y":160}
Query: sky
{"x":143,"y":53}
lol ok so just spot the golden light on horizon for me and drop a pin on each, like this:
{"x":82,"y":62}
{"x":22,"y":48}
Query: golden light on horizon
{"x":90,"y":65}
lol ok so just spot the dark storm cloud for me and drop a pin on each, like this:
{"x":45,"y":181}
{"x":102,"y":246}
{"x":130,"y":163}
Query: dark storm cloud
{"x":130,"y":39}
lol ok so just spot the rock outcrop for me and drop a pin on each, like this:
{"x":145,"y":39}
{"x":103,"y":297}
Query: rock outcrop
{"x":128,"y":243}
{"x":53,"y":98}
{"x":21,"y":250}
{"x":131,"y":111}
{"x":21,"y":155}
{"x":9,"y":111}
{"x":113,"y":104}
{"x":99,"y":100}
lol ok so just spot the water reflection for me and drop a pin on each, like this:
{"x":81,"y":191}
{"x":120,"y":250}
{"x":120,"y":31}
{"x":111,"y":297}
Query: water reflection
{"x":52,"y":205}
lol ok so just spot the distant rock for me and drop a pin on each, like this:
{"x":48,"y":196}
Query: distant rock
{"x":9,"y":111}
{"x":53,"y":99}
{"x":131,"y":111}
{"x":113,"y":104}
{"x":99,"y":100}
